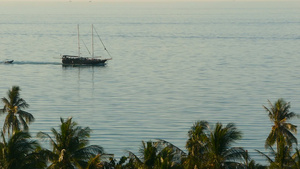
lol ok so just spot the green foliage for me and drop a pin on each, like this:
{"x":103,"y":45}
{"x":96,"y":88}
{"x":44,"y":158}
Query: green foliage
{"x":282,"y":134}
{"x":157,"y":155}
{"x":124,"y":163}
{"x":208,"y":147}
{"x":296,"y":159}
{"x":20,"y":152}
{"x":94,"y":163}
{"x":282,"y":159}
{"x":16,"y":118}
{"x":70,"y":146}
{"x":279,"y":115}
{"x":212,"y":148}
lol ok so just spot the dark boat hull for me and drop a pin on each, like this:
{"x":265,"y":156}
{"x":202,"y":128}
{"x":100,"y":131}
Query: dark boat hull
{"x":75,"y":60}
{"x":8,"y":61}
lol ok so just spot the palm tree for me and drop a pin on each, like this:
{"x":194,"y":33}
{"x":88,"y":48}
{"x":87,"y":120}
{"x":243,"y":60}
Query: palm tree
{"x":125,"y":163}
{"x":279,"y":115}
{"x":70,"y":146}
{"x":169,"y":156}
{"x":157,"y":155}
{"x":94,"y":162}
{"x":16,"y":117}
{"x":165,"y":159}
{"x":296,"y":159}
{"x":21,"y":152}
{"x":120,"y":164}
{"x":212,"y":148}
{"x":148,"y":153}
{"x":196,"y":145}
{"x":219,"y":150}
{"x":282,"y":158}
{"x":250,"y":163}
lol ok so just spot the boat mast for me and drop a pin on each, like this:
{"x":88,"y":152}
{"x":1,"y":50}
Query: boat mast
{"x":78,"y":40}
{"x":92,"y":42}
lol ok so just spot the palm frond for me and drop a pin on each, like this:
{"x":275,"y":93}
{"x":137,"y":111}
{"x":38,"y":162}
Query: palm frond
{"x":8,"y":122}
{"x":290,"y":137}
{"x":266,"y":156}
{"x":88,"y":152}
{"x":5,"y":102}
{"x":45,"y":136}
{"x":136,"y":160}
{"x":23,"y":123}
{"x":27,"y":116}
{"x":271,"y":138}
{"x":291,"y":127}
{"x":83,"y":133}
{"x":234,"y":153}
{"x":21,"y":103}
{"x":94,"y":162}
{"x":177,"y":149}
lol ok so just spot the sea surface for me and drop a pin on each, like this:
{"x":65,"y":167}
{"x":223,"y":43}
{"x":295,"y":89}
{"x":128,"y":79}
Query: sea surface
{"x":173,"y":64}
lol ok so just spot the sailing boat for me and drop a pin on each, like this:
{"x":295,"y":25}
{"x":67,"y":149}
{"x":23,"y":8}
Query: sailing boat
{"x":78,"y":60}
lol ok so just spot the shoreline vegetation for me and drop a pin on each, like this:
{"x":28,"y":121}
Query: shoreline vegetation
{"x":209,"y":146}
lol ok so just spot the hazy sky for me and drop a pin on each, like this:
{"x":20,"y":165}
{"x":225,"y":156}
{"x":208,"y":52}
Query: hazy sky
{"x":143,"y":0}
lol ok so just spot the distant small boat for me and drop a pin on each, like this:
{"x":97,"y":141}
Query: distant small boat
{"x":8,"y":61}
{"x":79,"y":60}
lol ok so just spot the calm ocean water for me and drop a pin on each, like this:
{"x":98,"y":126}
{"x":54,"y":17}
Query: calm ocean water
{"x":173,"y":64}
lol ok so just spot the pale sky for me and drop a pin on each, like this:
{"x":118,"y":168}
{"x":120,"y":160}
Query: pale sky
{"x":140,"y":0}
